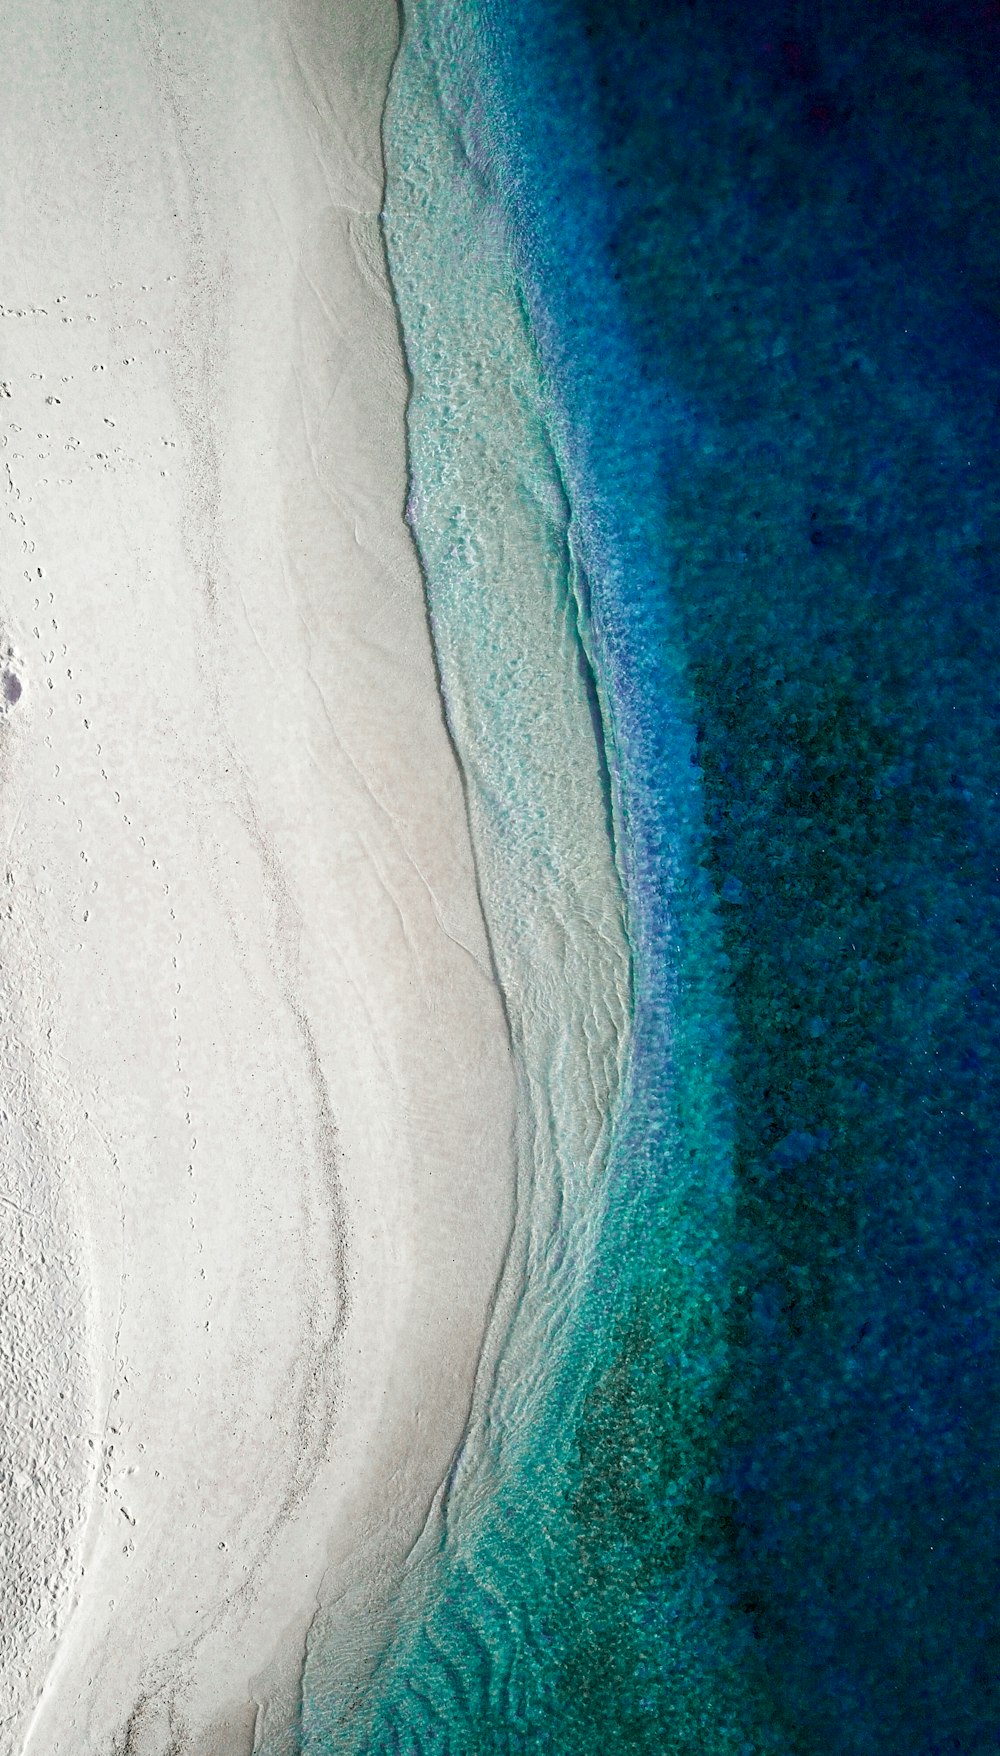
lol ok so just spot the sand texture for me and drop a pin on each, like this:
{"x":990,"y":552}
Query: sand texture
{"x":257,"y":1102}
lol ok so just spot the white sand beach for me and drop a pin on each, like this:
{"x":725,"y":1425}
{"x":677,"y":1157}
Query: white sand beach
{"x":257,"y":1101}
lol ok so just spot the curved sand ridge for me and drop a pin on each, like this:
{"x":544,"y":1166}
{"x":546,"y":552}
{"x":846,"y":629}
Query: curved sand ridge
{"x":257,"y":1100}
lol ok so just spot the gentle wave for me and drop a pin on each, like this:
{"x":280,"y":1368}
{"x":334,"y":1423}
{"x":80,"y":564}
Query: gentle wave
{"x":566,"y":714}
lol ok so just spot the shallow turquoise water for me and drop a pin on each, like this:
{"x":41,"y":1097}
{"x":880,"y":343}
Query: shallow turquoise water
{"x":701,"y":312}
{"x":522,"y":557}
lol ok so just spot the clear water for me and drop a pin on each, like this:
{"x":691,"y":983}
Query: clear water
{"x":524,"y":551}
{"x":700,"y":306}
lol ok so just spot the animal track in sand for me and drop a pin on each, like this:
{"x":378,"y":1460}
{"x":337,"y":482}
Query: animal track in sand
{"x":65,"y":679}
{"x":60,"y":306}
{"x":91,"y":444}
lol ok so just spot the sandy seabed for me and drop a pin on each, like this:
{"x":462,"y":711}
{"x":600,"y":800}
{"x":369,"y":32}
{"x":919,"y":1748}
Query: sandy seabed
{"x":257,"y":1101}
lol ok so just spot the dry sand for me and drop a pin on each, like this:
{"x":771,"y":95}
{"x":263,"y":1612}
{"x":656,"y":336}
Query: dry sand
{"x":257,"y":1101}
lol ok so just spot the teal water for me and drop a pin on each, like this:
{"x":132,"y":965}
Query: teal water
{"x":700,"y":307}
{"x":505,"y":1625}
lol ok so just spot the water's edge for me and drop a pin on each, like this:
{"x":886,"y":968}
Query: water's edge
{"x":525,"y":709}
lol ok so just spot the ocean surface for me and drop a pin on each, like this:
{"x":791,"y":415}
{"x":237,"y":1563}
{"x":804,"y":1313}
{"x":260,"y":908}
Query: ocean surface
{"x":701,"y":304}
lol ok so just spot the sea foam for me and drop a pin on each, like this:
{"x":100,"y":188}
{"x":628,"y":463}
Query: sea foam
{"x":510,"y":620}
{"x":566,"y":708}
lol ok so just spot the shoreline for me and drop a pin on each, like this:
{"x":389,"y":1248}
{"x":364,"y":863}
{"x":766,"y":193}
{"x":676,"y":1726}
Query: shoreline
{"x":495,"y":535}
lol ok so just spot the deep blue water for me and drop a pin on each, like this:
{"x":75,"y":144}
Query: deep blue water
{"x":759,"y":253}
